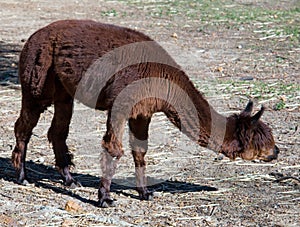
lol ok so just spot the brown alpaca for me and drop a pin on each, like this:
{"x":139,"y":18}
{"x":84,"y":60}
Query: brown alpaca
{"x":72,"y":59}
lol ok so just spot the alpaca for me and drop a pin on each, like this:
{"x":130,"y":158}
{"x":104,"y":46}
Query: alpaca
{"x":129,"y":75}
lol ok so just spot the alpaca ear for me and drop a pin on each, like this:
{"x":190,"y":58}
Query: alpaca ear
{"x":247,"y":111}
{"x":257,"y":116}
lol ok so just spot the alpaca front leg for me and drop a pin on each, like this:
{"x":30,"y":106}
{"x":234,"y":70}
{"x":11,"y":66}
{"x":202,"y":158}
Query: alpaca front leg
{"x":139,"y":144}
{"x":108,"y":167}
{"x":141,"y":180}
{"x":112,"y":153}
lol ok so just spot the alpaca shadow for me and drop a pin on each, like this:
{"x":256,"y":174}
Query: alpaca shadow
{"x":38,"y":172}
{"x":9,"y":54}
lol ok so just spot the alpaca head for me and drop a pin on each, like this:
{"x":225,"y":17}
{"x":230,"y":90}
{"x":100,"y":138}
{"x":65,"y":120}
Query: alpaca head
{"x":248,"y":137}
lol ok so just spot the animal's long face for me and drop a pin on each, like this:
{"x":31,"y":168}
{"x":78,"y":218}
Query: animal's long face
{"x":249,"y":138}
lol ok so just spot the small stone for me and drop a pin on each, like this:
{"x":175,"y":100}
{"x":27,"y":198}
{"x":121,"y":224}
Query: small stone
{"x":157,"y":194}
{"x":245,"y":78}
{"x":283,"y":98}
{"x":40,"y":160}
{"x":174,"y":35}
{"x":219,"y":69}
{"x":220,"y":157}
{"x":72,"y":206}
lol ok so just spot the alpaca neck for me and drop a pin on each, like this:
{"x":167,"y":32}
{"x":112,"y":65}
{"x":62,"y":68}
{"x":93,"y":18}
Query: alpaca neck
{"x":197,"y":119}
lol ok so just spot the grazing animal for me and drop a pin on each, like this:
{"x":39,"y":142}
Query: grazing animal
{"x":132,"y":77}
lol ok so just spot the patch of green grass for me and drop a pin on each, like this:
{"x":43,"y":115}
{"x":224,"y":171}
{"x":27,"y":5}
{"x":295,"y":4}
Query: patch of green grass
{"x":293,"y":32}
{"x":262,"y":89}
{"x":207,"y":10}
{"x":109,"y":13}
{"x":227,"y":14}
{"x":283,"y":93}
{"x":279,"y":105}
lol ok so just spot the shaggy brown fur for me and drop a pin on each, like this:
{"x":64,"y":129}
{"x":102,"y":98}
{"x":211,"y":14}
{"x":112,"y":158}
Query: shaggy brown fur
{"x":53,"y":69}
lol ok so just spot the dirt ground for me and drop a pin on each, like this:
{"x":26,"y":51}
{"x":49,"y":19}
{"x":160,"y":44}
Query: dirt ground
{"x":230,"y":59}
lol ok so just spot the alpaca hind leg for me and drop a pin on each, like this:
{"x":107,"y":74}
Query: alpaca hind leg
{"x":139,"y":144}
{"x":24,"y":125}
{"x":58,"y":133}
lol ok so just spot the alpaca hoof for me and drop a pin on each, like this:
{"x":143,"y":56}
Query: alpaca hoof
{"x":104,"y":205}
{"x":107,"y":203}
{"x":73,"y":184}
{"x":150,"y":198}
{"x":147,"y":196}
{"x":23,"y":182}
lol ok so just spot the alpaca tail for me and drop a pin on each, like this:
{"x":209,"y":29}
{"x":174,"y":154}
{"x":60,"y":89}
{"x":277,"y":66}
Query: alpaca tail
{"x":36,"y":59}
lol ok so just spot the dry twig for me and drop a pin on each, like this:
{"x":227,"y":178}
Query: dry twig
{"x":286,"y":178}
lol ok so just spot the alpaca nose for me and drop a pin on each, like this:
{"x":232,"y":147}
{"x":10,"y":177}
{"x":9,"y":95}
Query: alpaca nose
{"x":276,"y":150}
